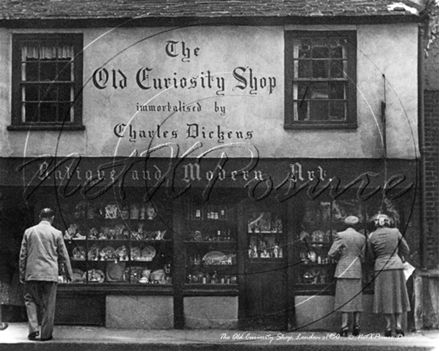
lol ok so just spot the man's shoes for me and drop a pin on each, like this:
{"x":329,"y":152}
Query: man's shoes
{"x":399,"y":333}
{"x":47,"y":339}
{"x":3,"y":326}
{"x":33,"y":336}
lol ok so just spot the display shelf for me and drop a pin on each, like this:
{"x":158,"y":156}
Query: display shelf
{"x":104,"y":240}
{"x":210,"y":245}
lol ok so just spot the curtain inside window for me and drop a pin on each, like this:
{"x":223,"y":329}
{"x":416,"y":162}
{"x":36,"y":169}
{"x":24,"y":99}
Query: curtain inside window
{"x":47,"y":52}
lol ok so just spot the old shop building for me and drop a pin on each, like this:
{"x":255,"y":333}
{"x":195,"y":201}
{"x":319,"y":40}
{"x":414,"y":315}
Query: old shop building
{"x":200,"y":155}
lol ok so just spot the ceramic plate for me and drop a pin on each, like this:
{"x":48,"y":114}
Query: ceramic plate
{"x":79,"y":253}
{"x":135,"y":253}
{"x":95,"y":276}
{"x":115,"y":271}
{"x":214,"y":257}
{"x":148,"y":253}
{"x":78,"y":275}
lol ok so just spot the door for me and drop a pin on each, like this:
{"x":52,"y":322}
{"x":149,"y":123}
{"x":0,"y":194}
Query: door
{"x":265,"y":272}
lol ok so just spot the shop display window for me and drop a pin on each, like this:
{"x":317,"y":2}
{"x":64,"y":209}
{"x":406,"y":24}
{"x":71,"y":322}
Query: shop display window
{"x":265,"y":233}
{"x":321,"y":220}
{"x":119,"y":242}
{"x":210,"y":241}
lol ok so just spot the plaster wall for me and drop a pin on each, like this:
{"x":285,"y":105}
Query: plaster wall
{"x":386,"y":61}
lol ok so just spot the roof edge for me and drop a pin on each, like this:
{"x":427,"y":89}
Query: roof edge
{"x":198,"y":21}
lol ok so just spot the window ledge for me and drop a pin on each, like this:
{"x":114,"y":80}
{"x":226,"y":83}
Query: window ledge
{"x":320,"y":126}
{"x":49,"y":127}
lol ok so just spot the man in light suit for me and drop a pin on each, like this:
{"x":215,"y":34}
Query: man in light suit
{"x":42,"y":249}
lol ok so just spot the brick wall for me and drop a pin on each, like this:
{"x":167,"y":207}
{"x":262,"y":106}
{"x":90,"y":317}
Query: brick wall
{"x":432,"y":186}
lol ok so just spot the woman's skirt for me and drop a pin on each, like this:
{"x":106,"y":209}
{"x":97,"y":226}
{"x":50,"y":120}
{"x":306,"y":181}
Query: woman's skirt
{"x":348,"y":295}
{"x":390,"y":294}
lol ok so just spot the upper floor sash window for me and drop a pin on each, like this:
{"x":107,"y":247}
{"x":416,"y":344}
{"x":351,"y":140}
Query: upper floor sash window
{"x":47,"y":80}
{"x":320,"y":79}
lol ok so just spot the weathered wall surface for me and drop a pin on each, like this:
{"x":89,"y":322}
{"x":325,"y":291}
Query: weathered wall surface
{"x":246,"y":67}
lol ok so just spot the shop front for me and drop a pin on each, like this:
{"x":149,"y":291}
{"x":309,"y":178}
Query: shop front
{"x":209,"y":243}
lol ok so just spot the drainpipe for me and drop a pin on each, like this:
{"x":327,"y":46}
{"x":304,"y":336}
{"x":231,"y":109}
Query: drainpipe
{"x":422,"y":148}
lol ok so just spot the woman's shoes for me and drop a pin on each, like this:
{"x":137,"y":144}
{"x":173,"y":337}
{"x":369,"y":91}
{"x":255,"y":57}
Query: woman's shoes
{"x":343,"y":332}
{"x":356,"y":330}
{"x":3,"y":326}
{"x":388,"y":333}
{"x":399,"y":333}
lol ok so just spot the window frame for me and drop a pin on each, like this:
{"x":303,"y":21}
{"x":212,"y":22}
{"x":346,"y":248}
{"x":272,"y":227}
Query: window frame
{"x":18,"y":41}
{"x":351,"y":95}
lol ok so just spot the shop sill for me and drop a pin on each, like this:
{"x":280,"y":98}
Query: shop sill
{"x":120,"y":288}
{"x":210,"y":290}
{"x":207,"y":242}
{"x":260,"y":260}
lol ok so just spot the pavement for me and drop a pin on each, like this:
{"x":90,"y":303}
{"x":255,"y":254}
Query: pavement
{"x":73,"y":338}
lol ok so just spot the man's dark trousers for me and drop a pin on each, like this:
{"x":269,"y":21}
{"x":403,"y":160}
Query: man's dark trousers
{"x":39,"y":298}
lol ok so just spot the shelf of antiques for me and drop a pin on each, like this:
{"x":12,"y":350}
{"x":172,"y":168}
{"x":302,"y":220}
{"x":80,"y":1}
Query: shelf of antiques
{"x":321,"y":220}
{"x":119,"y":243}
{"x":210,"y":243}
{"x":265,"y":237}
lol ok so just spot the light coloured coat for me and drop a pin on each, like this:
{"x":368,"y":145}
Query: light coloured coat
{"x":42,"y":248}
{"x":385,"y":245}
{"x":349,"y":247}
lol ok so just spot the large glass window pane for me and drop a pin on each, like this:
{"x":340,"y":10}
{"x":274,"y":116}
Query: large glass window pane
{"x":31,"y":92}
{"x":320,"y":69}
{"x":64,"y":70}
{"x":64,"y":92}
{"x":318,"y":110}
{"x":48,"y":70}
{"x":31,"y":71}
{"x":31,"y":112}
{"x":49,"y":92}
{"x":337,"y":110}
{"x":64,"y":112}
{"x":304,"y":69}
{"x":48,"y":112}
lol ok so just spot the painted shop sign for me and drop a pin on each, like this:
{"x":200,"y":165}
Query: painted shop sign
{"x":146,"y":77}
{"x":282,"y":179}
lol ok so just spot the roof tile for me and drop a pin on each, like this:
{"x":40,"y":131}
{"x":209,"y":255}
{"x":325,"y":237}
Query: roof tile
{"x":31,"y":9}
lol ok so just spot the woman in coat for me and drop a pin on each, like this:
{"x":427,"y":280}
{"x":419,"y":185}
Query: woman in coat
{"x":385,"y":244}
{"x":348,"y":248}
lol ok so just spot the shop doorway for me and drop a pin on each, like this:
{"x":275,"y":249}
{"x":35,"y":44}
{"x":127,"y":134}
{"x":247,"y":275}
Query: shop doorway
{"x":264,"y":292}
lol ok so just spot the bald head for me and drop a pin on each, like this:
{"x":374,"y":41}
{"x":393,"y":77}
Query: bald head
{"x":47,"y":214}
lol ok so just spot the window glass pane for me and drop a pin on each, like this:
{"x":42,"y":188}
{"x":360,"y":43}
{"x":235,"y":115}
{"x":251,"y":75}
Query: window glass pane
{"x":337,"y":110}
{"x":318,"y":110}
{"x":49,"y":92}
{"x":31,"y":71}
{"x":304,"y":49}
{"x":64,"y":71}
{"x":336,"y":69}
{"x":303,"y":91}
{"x":319,"y":90}
{"x":303,"y":110}
{"x":64,"y":92}
{"x":64,"y":113}
{"x":48,"y":112}
{"x":31,"y":92}
{"x":304,"y":69}
{"x":320,"y":69}
{"x":338,"y":48}
{"x":48,"y":70}
{"x":320,"y":49}
{"x":31,"y":112}
{"x":337,"y":90}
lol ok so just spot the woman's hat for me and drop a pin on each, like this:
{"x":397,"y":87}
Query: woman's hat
{"x":381,"y":219}
{"x":351,"y":220}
